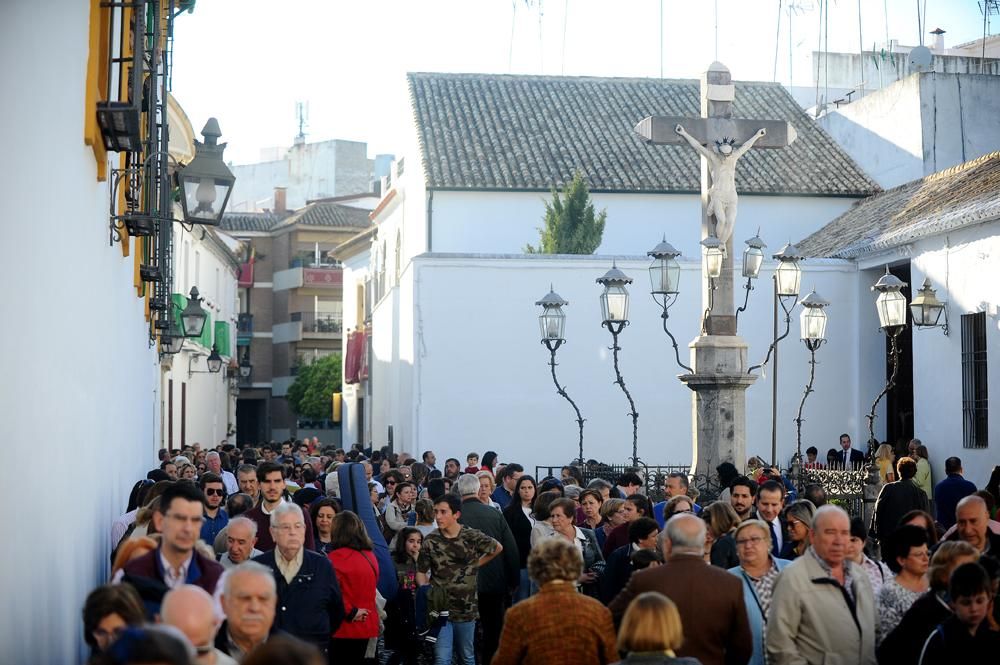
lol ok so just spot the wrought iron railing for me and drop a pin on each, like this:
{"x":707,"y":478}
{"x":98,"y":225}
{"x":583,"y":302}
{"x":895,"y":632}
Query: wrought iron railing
{"x":319,"y":323}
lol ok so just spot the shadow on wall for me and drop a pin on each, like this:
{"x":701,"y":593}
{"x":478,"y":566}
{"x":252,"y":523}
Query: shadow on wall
{"x":881,"y":159}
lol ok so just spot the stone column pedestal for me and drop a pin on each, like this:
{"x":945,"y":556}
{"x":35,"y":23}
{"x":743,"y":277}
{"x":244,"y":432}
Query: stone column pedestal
{"x":719,"y":383}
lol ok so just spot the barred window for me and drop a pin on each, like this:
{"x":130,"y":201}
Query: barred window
{"x":974,"y":398}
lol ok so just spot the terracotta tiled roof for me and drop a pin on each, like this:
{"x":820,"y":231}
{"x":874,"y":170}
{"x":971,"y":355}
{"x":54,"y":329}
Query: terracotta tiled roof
{"x":318,"y":213}
{"x":325,"y":213}
{"x":963,"y":195}
{"x":484,"y":131}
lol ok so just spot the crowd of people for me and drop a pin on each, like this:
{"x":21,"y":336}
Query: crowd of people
{"x":303,"y":554}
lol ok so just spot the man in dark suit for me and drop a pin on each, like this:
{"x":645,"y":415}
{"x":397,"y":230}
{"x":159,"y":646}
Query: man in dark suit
{"x":849,"y":458}
{"x":709,"y":600}
{"x":769,"y":503}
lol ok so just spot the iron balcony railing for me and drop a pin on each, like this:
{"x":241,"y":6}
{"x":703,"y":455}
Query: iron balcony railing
{"x":319,"y":323}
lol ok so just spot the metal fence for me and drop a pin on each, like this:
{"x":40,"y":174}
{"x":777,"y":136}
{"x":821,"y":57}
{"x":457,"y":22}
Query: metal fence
{"x":854,"y":490}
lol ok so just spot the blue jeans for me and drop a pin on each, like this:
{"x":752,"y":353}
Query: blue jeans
{"x":461,"y":634}
{"x":524,"y":587}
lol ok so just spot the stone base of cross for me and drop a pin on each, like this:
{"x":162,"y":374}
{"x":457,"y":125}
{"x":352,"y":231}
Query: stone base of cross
{"x":719,"y":356}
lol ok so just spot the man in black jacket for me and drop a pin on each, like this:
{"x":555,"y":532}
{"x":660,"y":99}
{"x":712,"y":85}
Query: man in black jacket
{"x":309,"y":605}
{"x":500,"y":575}
{"x":896,"y":499}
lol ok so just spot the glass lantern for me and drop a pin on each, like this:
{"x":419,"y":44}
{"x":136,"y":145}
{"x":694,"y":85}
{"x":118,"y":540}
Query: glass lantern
{"x":812,"y":319}
{"x":552,"y":320}
{"x":193,"y":316}
{"x":614,"y":299}
{"x":715,"y":255}
{"x":788,"y":275}
{"x":664,"y":272}
{"x":753,"y":257}
{"x":214,"y":361}
{"x":925,"y":308}
{"x":890,"y":302}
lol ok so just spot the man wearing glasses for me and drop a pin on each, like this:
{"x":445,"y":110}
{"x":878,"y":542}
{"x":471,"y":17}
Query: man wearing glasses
{"x":175,"y":562}
{"x":216,"y":518}
{"x":310,"y":605}
{"x":758,"y":571}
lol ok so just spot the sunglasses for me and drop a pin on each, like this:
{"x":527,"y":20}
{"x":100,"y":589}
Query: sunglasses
{"x":211,"y":491}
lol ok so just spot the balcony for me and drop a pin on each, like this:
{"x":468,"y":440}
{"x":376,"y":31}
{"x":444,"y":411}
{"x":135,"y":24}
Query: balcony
{"x":244,"y":329}
{"x":319,"y":326}
{"x":315,"y":277}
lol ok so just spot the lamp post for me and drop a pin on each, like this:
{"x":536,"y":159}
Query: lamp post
{"x":787,"y":277}
{"x":614,"y":309}
{"x":926,"y":309}
{"x":715,"y":256}
{"x":812,"y":325}
{"x":206,"y":182}
{"x":193,"y":316}
{"x":245,"y":369}
{"x":664,"y":279}
{"x":552,"y":322}
{"x":213,"y":362}
{"x":891,"y":307}
{"x":753,"y":257}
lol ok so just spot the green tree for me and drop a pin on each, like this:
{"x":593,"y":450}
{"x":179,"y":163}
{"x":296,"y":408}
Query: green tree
{"x":571,"y":225}
{"x":310,"y":395}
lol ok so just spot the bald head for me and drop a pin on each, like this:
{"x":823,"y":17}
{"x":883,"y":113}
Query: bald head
{"x":972,"y":520}
{"x":190,"y":609}
{"x":685,"y":534}
{"x":831,"y":533}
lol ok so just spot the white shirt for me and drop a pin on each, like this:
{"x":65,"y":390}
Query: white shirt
{"x":230,"y":483}
{"x":121,"y":525}
{"x":172,"y":579}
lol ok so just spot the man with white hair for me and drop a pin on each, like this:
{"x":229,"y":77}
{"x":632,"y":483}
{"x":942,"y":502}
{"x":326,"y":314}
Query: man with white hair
{"x":214,"y":464}
{"x":191,"y":610}
{"x":822,"y":608}
{"x":241,"y":536}
{"x":709,"y":599}
{"x":310,"y":605}
{"x":249,"y":596}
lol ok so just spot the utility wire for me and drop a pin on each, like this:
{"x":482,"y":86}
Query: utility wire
{"x":777,"y":35}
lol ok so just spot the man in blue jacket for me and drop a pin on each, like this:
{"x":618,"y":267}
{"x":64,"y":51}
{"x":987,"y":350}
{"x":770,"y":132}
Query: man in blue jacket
{"x":950,"y":491}
{"x":309,"y":606}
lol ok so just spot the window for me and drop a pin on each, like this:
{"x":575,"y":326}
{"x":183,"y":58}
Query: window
{"x":974,"y":399}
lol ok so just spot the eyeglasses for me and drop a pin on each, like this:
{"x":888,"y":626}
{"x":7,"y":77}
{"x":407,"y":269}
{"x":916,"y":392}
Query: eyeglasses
{"x":390,"y":482}
{"x":110,"y":635}
{"x":211,"y":491}
{"x":752,"y":540}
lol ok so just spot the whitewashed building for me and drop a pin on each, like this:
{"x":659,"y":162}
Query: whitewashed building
{"x":944,"y":228}
{"x":454,"y":359}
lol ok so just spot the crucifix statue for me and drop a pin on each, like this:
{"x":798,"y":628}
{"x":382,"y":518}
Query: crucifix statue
{"x":720,"y":379}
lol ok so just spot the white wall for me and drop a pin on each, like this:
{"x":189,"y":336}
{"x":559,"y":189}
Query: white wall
{"x":505,"y":222}
{"x":964,"y":268}
{"x":920,"y":125}
{"x":481,"y":378}
{"x":79,"y":379}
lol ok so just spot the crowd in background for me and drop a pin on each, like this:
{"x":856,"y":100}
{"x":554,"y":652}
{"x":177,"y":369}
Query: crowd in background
{"x":273,"y":554}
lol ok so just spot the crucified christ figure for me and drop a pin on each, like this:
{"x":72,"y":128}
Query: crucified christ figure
{"x":722,"y":166}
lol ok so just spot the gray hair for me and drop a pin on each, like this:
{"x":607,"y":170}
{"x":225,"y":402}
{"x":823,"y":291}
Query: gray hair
{"x":760,"y":524}
{"x":572,"y":491}
{"x":829,"y":509}
{"x":212,"y":455}
{"x":283,"y":509}
{"x":682,"y":540}
{"x":249,"y":568}
{"x":599,"y":484}
{"x":467,"y":485}
{"x":247,"y":522}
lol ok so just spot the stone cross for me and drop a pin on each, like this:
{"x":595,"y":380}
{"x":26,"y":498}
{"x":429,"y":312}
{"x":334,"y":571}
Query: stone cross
{"x":717,"y":129}
{"x":719,"y":356}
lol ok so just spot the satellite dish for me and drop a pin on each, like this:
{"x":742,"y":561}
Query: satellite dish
{"x":920,"y":56}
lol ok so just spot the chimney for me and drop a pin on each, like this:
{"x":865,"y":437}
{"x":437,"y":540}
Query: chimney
{"x":279,"y":200}
{"x":938,"y":40}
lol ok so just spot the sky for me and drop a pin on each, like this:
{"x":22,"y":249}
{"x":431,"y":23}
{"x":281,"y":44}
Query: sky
{"x":249,"y":62}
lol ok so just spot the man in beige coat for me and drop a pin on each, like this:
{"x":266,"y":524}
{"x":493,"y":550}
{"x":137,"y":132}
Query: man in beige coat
{"x":823,"y":609}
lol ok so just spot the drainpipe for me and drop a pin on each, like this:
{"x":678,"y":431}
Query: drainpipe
{"x":430,"y":214}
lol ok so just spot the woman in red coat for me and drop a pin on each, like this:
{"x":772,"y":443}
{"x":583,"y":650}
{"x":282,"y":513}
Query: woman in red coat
{"x":357,"y":573}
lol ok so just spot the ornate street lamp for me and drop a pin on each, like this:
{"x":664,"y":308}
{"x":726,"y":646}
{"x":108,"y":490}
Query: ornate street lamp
{"x":246,"y":369}
{"x":171,"y":343}
{"x":891,"y":307}
{"x":787,"y":277}
{"x":206,"y":182}
{"x":193,"y":316}
{"x":213,"y":362}
{"x":753,"y":257}
{"x":552,"y":322}
{"x":614,"y":309}
{"x":664,"y":279}
{"x":926,"y":309}
{"x":812,"y":323}
{"x":715,"y":256}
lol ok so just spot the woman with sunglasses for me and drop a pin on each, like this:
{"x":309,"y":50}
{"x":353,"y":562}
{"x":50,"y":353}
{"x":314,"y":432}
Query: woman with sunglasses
{"x":798,"y":517}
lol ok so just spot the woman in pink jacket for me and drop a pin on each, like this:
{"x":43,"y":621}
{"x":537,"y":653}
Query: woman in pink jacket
{"x":357,"y":572}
